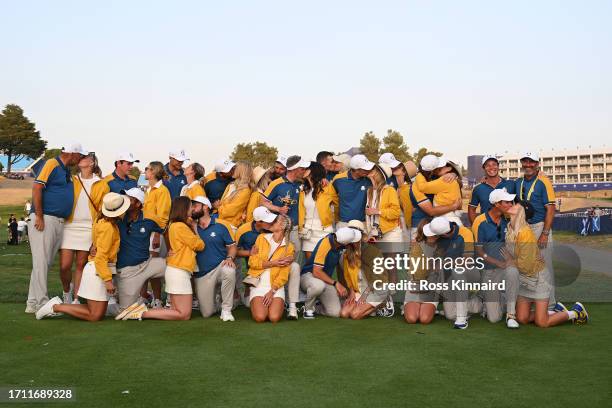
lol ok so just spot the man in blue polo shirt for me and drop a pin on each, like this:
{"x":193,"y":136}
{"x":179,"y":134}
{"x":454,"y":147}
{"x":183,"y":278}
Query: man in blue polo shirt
{"x":53,"y":198}
{"x":318,"y":269}
{"x":121,"y":179}
{"x":216,"y":265}
{"x":492,"y":181}
{"x":489,"y":231}
{"x":350,"y":191}
{"x":215,"y":188}
{"x":135,"y":266}
{"x":176,"y":176}
{"x":388,"y":159}
{"x":283,"y":195}
{"x":536,"y":188}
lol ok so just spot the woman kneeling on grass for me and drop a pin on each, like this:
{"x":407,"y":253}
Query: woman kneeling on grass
{"x":97,"y":281}
{"x":269,"y":271}
{"x":522,"y":252}
{"x":180,"y":264}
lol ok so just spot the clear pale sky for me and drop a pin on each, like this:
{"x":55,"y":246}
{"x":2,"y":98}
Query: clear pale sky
{"x":462,"y":77}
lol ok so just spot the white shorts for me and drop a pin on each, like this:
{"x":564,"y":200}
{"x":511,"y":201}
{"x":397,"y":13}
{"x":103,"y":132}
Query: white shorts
{"x":92,"y":286}
{"x":264,"y":287}
{"x":178,"y":281}
{"x":77,"y":236}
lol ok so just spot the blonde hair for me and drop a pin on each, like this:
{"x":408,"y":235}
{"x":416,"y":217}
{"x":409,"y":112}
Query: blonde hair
{"x":380,"y":183}
{"x":286,"y":227}
{"x":516,"y":224}
{"x":353,"y":254}
{"x":158,"y":171}
{"x":243,"y":178}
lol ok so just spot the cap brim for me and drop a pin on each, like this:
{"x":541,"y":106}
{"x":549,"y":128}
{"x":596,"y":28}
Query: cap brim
{"x":356,"y":236}
{"x":368,"y":166}
{"x":270,"y":218}
{"x":427,"y":231}
{"x":228,"y":168}
{"x":393,"y":163}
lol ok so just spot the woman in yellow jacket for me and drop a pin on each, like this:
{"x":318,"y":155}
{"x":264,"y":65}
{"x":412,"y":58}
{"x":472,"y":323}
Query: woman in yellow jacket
{"x":77,"y":237}
{"x":194,"y":188}
{"x":180,"y":265}
{"x":446,"y":188}
{"x":315,"y":216}
{"x":261,"y":179}
{"x":269,"y":271}
{"x":383,"y":209}
{"x":522,"y":252}
{"x":236,"y":196}
{"x":97,"y":282}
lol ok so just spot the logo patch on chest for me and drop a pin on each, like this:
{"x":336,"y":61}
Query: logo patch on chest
{"x":363,"y":188}
{"x":143,"y":230}
{"x":213,"y":234}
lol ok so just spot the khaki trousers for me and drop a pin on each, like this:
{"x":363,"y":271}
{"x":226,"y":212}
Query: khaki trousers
{"x":317,"y":289}
{"x":206,"y":289}
{"x":131,"y":279}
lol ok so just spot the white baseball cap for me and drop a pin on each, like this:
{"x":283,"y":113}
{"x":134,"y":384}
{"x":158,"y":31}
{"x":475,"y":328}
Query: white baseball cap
{"x":178,"y":154}
{"x":75,"y":148}
{"x":219,"y":165}
{"x":488,"y":157}
{"x":500,"y":194}
{"x":437,"y":226}
{"x":282,"y":160}
{"x":203,"y":200}
{"x":347,"y":235}
{"x":429,"y":162}
{"x":360,"y":162}
{"x":136,"y":193}
{"x":342,"y":158}
{"x":304,"y":164}
{"x":389,"y":159}
{"x":531,"y":155}
{"x":263,"y":214}
{"x":126,"y":156}
{"x":442,"y":162}
{"x":228,"y":165}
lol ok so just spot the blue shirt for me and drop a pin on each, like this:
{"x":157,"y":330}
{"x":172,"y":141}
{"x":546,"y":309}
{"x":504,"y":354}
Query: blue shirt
{"x":58,"y":191}
{"x":324,"y":255}
{"x":282,"y":192}
{"x":353,"y":195}
{"x":175,"y":184}
{"x":247,"y":240}
{"x":490,"y":236}
{"x":216,"y":238}
{"x":329,"y":175}
{"x":392,"y":181}
{"x":417,"y":212}
{"x":215,"y":188}
{"x":135,"y":240}
{"x":116,"y":183}
{"x":539,"y":192}
{"x":480,"y":194}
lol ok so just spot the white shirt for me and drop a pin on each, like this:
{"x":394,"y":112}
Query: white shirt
{"x":311,"y":219}
{"x":21,"y":225}
{"x":82,"y":215}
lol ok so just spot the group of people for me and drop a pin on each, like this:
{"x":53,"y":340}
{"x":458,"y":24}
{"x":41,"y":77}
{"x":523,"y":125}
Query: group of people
{"x":17,"y":230}
{"x":301,"y":231}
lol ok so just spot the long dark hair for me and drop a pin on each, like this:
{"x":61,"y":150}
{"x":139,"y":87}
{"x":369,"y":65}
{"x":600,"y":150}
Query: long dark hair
{"x":180,"y":209}
{"x":317,"y":174}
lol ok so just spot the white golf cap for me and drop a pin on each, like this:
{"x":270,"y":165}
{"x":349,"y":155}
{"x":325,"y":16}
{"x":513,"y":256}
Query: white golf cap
{"x":442,"y":161}
{"x":203,"y":200}
{"x":219,"y":165}
{"x":500,"y":194}
{"x":263,"y":214}
{"x":347,"y":235}
{"x":126,"y":156}
{"x":389,"y":159}
{"x":178,"y":154}
{"x":488,"y":157}
{"x":356,"y":224}
{"x":531,"y":155}
{"x":136,"y":193}
{"x":437,"y":226}
{"x":228,"y":165}
{"x":360,"y":162}
{"x":282,"y":160}
{"x":303,"y":164}
{"x":429,"y":162}
{"x":75,"y":148}
{"x":342,"y":158}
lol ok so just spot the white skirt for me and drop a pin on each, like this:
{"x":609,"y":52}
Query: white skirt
{"x":77,"y":236}
{"x":92,"y":286}
{"x":178,"y":281}
{"x":264,"y":287}
{"x":316,"y":235}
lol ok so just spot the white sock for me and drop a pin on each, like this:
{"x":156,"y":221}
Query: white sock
{"x":571,"y":315}
{"x":551,"y":312}
{"x":291,"y":304}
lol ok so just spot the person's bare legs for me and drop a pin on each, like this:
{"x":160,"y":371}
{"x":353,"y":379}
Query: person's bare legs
{"x":181,"y":309}
{"x":427,"y":313}
{"x":362,"y":310}
{"x":275,"y":312}
{"x":66,"y":259}
{"x":259,"y":311}
{"x":81,"y":261}
{"x":346,"y":310}
{"x":411,"y":312}
{"x":540,"y":316}
{"x":93,"y":311}
{"x":156,"y":286}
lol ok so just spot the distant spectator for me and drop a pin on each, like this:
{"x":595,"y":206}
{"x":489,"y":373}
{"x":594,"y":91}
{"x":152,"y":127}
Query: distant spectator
{"x":28,"y":207}
{"x":22,"y":229}
{"x":13,"y":238}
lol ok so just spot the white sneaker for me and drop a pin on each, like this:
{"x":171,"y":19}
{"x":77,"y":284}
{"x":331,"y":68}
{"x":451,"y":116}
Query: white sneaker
{"x":511,"y":322}
{"x":227,"y":316}
{"x":31,"y":309}
{"x":157,"y":304}
{"x":292,"y":313}
{"x":76,"y":302}
{"x":309,"y":314}
{"x":67,"y":298}
{"x":168,"y":302}
{"x":136,"y":313}
{"x":195,"y":305}
{"x":46,"y":310}
{"x":127,"y":310}
{"x":112,"y":309}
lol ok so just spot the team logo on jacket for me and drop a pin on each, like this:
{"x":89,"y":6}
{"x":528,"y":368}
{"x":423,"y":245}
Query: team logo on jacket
{"x":363,"y":188}
{"x":142,"y":230}
{"x":212,"y":234}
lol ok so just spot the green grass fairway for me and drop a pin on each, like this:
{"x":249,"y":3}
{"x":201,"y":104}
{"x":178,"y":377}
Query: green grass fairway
{"x":326,"y":362}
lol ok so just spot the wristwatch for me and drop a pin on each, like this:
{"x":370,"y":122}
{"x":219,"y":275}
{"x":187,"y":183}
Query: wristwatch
{"x":334,"y":283}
